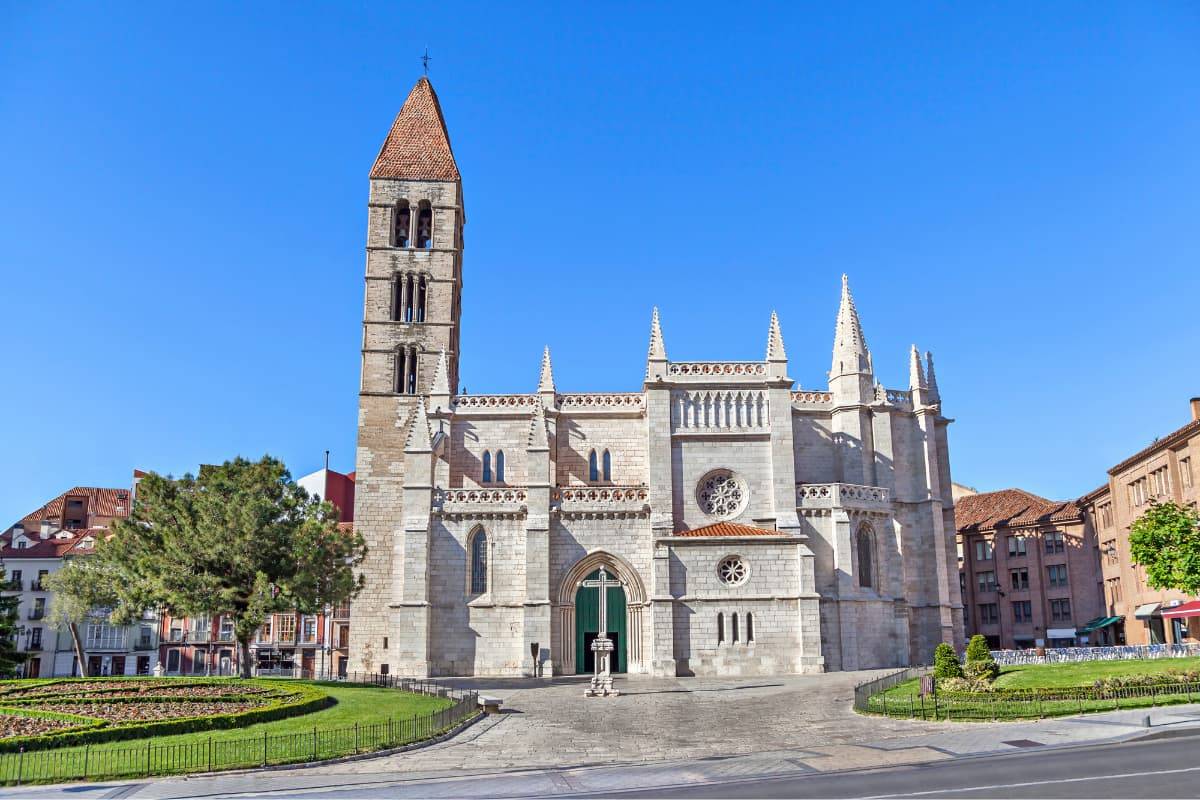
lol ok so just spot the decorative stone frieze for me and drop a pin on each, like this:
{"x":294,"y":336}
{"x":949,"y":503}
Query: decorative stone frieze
{"x":716,"y":369}
{"x":821,"y":400}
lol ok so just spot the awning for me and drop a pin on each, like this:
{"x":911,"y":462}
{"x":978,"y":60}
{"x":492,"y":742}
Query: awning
{"x":1103,"y":622}
{"x":1147,"y":610}
{"x":1191,"y":609}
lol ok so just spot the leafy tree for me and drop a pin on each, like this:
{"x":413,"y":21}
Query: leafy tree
{"x":10,"y":656}
{"x":84,"y":591}
{"x":1166,"y":542}
{"x":240,"y":539}
{"x":945,"y":662}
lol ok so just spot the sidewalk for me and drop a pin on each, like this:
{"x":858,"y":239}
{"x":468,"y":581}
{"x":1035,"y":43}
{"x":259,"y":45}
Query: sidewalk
{"x":376,"y":777}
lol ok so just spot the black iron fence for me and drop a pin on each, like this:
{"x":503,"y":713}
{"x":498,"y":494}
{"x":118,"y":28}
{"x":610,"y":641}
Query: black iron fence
{"x":874,"y":697}
{"x":210,"y":754}
{"x":865,"y":691}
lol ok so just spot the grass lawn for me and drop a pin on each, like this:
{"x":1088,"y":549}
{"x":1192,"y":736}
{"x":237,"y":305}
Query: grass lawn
{"x":286,"y":740}
{"x":1031,"y":676}
{"x":901,"y":699}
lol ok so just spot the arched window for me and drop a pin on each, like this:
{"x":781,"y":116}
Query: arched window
{"x":735,"y":629}
{"x":607,"y":466}
{"x":422,"y":293}
{"x":401,"y":224}
{"x":865,"y":548}
{"x":593,"y":468}
{"x":397,"y":297}
{"x":406,"y":370}
{"x":749,"y":627}
{"x":499,"y":466}
{"x":479,"y":561}
{"x":487,"y":466}
{"x":720,"y":628}
{"x":424,"y":225}
{"x":408,"y":298}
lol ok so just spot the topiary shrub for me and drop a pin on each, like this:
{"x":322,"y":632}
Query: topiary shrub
{"x":945,"y":662}
{"x":980,"y":664}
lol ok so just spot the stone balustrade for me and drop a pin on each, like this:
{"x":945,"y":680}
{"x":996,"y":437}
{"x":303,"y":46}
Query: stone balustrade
{"x":842,"y":495}
{"x":481,"y":501}
{"x":602,"y":500}
{"x":717,"y":369}
{"x":812,"y":399}
{"x":523,"y":403}
{"x":900,"y":398}
{"x":607,"y":401}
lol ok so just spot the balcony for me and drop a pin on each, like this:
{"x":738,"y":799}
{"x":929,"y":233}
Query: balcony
{"x":37,"y":613}
{"x":113,"y":641}
{"x":145,"y":643}
{"x":14,"y":585}
{"x":36,"y":586}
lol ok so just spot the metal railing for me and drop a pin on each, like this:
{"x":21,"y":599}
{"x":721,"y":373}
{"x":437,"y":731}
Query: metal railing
{"x":873,"y":698}
{"x":1071,"y":655}
{"x":211,"y":754}
{"x":864,"y":691}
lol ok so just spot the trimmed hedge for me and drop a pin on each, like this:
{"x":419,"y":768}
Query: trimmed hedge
{"x":294,"y":701}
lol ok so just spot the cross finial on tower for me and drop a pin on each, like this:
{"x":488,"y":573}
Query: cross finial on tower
{"x":425,"y":59}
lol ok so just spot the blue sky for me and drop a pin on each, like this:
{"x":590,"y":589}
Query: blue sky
{"x":1013,"y":187}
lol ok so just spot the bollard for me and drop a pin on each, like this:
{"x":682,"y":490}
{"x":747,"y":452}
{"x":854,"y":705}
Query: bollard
{"x":1146,"y":721}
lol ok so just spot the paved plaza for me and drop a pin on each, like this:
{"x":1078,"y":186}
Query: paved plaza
{"x":658,"y":733}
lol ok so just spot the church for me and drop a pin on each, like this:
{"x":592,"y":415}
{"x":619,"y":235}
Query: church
{"x":755,"y":528}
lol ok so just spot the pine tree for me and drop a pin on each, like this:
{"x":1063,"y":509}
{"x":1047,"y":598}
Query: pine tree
{"x":10,"y":656}
{"x":240,"y":539}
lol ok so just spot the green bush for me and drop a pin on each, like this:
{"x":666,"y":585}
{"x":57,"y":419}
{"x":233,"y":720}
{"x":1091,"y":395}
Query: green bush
{"x":981,"y":667}
{"x":945,"y":662}
{"x":977,"y":649}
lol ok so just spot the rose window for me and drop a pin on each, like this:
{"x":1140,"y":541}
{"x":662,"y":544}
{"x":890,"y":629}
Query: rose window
{"x":722,"y":494}
{"x":732,"y":571}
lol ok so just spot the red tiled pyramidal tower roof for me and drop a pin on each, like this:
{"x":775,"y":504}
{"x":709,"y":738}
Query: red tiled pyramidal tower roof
{"x":417,"y":147}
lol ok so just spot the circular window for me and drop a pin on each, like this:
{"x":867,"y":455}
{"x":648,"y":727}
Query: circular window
{"x":722,"y":494}
{"x":732,"y":571}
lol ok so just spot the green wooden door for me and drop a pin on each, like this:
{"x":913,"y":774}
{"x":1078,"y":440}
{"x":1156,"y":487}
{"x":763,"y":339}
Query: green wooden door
{"x":587,"y":625}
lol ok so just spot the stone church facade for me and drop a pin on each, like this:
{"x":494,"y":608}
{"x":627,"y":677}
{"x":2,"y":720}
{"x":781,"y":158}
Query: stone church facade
{"x":755,"y":528}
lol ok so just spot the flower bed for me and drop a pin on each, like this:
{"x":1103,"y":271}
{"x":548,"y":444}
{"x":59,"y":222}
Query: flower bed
{"x":72,"y":712}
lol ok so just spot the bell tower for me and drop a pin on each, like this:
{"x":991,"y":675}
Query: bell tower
{"x":409,"y":369}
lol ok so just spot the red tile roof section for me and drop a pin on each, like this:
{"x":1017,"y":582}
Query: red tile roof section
{"x":727,"y":529}
{"x":101,"y":503}
{"x":41,"y":548}
{"x":417,"y":147}
{"x":1010,"y":507}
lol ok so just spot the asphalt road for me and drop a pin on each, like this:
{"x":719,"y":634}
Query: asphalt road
{"x":1164,"y":768}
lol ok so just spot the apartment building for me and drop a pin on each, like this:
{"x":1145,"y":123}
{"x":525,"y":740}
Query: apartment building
{"x":1029,"y":571}
{"x":1164,"y":471}
{"x":38,"y":545}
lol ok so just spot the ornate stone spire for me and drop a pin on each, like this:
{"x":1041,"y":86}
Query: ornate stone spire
{"x":419,"y":438}
{"x":930,"y":377}
{"x":916,"y":375}
{"x":546,"y":378}
{"x":441,"y":383}
{"x":538,"y":438}
{"x":775,"y":351}
{"x":850,"y":353}
{"x":657,"y":355}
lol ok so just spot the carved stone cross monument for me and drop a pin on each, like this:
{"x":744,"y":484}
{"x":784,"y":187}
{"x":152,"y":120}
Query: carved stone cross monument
{"x":602,"y":646}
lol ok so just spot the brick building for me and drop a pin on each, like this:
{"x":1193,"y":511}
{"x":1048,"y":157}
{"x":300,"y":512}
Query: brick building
{"x":1030,"y":575}
{"x":1165,"y":470}
{"x":755,"y":527}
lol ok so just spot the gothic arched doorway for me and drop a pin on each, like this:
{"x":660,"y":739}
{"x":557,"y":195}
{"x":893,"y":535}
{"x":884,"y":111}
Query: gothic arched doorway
{"x":626,"y":619}
{"x":587,"y":626}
